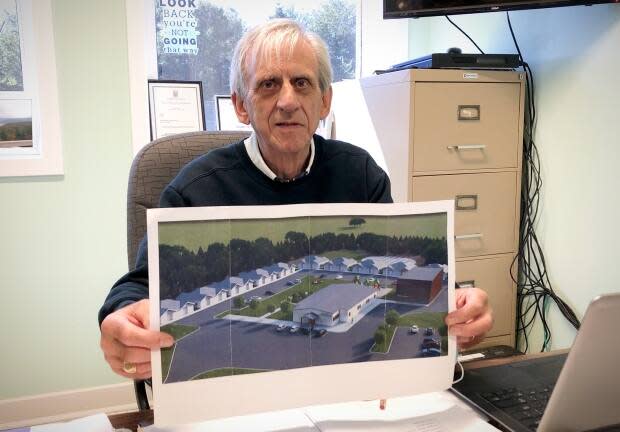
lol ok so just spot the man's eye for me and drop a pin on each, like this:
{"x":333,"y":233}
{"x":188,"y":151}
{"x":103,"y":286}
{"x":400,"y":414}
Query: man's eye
{"x":302,"y":83}
{"x":268,"y":85}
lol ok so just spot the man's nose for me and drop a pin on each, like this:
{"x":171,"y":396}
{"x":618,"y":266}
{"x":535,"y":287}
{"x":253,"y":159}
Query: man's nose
{"x":287,"y":98}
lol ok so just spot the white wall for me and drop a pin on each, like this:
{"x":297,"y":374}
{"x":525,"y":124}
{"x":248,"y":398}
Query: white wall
{"x":575,"y":57}
{"x":62,"y":238}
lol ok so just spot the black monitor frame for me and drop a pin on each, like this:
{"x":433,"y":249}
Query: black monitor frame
{"x":424,"y":8}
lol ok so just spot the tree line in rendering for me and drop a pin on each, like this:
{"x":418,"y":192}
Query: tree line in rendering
{"x":183,"y":270}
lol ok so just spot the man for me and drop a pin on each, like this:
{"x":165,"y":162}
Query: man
{"x":281,"y":85}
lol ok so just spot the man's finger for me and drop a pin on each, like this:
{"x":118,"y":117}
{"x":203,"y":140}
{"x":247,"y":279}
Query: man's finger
{"x":130,"y":354}
{"x":472,"y":308}
{"x":143,"y":370}
{"x":117,"y":327}
{"x":476,"y":327}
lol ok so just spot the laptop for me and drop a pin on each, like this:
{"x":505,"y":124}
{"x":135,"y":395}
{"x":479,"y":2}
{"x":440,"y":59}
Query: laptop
{"x":578,"y":391}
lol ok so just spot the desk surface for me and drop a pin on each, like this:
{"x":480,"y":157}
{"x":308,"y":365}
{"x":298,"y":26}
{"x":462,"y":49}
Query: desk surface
{"x":133,"y":419}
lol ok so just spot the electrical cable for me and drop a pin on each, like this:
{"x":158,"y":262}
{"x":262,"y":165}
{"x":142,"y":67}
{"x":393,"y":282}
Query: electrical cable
{"x":534,"y":288}
{"x":466,"y":35}
{"x":462,"y":373}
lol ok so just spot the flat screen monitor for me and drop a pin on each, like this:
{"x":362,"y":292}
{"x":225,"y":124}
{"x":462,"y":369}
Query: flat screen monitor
{"x":422,"y":8}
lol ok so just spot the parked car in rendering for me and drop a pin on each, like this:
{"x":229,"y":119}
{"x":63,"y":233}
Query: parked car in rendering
{"x":319,"y":333}
{"x":304,"y":330}
{"x":430,"y":343}
{"x":269,"y":293}
{"x":280,"y":327}
{"x":338,"y":276}
{"x":429,"y":331}
{"x":413,"y":329}
{"x":430,"y":352}
{"x":294,"y":329}
{"x":257,"y":298}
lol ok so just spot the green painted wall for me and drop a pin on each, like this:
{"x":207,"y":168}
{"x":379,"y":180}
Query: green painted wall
{"x":574,"y":54}
{"x":63,"y":238}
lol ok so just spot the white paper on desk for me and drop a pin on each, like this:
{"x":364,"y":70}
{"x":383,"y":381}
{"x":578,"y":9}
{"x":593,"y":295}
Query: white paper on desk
{"x":405,"y":250}
{"x":94,"y":423}
{"x":430,"y":412}
{"x":275,"y":421}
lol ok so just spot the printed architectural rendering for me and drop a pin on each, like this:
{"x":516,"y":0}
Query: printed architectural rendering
{"x":266,"y":305}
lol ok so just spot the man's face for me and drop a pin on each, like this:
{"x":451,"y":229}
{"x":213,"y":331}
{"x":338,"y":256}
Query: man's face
{"x":284,"y":102}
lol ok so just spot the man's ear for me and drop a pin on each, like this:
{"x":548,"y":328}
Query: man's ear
{"x":327,"y":102}
{"x":242,"y":113}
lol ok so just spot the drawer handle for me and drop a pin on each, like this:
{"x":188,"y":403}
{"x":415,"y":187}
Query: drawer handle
{"x":468,"y":236}
{"x":467,"y":147}
{"x":469,"y":112}
{"x":466,"y":284}
{"x":466,"y":202}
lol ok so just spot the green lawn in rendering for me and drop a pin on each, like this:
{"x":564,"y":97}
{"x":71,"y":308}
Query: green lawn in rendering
{"x":384,"y":347}
{"x":227,"y":372}
{"x":177,"y":331}
{"x":305,"y":288}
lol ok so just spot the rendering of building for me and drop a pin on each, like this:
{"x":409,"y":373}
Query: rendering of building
{"x":420,"y":284}
{"x":333,"y":304}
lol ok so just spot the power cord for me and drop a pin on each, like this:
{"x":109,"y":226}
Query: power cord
{"x":462,"y":373}
{"x":534,"y":289}
{"x":466,"y":35}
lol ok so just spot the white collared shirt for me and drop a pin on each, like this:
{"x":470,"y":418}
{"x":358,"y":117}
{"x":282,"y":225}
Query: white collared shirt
{"x":251,"y":146}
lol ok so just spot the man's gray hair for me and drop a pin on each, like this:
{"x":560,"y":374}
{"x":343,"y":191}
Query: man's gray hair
{"x":270,"y":39}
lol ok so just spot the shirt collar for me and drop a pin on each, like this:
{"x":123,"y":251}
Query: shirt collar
{"x":251,"y":147}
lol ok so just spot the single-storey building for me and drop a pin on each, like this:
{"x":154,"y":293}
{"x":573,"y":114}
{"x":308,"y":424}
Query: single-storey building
{"x":333,"y":304}
{"x":169,"y":310}
{"x":315,"y":262}
{"x":420,"y":284}
{"x":341,"y":264}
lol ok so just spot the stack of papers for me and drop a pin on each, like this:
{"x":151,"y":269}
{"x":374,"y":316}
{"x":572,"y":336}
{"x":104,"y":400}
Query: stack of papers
{"x":430,"y":412}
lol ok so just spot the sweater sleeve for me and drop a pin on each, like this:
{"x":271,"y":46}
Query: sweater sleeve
{"x":134,"y":286}
{"x":377,"y":183}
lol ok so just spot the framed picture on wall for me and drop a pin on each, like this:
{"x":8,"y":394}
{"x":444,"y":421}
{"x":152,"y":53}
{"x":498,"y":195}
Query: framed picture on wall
{"x":175,"y":107}
{"x":30,"y":142}
{"x":226,"y":117}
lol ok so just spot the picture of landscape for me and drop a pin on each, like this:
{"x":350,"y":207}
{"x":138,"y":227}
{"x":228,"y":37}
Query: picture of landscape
{"x":15,"y":123}
{"x":11,"y":74}
{"x":246,"y":296}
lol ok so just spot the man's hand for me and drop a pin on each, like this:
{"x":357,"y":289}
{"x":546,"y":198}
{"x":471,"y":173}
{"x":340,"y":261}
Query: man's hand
{"x":126,"y":341}
{"x":472,"y":318}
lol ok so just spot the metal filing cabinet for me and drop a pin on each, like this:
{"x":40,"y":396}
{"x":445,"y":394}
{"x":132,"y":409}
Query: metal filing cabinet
{"x":455,"y":134}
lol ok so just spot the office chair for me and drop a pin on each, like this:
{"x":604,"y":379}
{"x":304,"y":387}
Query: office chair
{"x":152,"y":169}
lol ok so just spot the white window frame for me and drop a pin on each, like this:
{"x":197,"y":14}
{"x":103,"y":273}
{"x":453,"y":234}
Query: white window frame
{"x":373,"y":35}
{"x":41,"y":88}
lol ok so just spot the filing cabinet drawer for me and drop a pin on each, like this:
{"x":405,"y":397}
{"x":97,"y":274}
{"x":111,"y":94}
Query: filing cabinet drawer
{"x":495,"y":340}
{"x":464,"y":126}
{"x":485,"y":207}
{"x":493,"y":276}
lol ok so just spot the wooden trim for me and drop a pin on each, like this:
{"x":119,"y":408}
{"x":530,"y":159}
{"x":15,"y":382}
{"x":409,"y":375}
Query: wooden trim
{"x":66,"y":405}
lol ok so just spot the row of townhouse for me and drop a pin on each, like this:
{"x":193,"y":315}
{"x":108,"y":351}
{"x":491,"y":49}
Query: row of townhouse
{"x":375,"y":265}
{"x":187,"y":303}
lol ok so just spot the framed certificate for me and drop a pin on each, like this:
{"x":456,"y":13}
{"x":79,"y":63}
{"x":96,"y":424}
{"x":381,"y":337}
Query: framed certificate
{"x":175,"y":107}
{"x":226,"y":117}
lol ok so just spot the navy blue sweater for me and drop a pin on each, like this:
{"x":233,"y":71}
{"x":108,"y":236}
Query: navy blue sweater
{"x":340,"y":173}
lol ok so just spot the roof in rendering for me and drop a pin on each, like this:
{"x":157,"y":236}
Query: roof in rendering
{"x":191,"y":297}
{"x":335,"y":297}
{"x":422,"y":273}
{"x":168,"y":304}
{"x":315,"y":259}
{"x":344,"y":261}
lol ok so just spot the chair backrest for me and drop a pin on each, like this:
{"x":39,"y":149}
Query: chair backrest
{"x":155,"y":166}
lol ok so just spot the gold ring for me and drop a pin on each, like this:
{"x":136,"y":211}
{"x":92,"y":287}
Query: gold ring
{"x":129,"y":367}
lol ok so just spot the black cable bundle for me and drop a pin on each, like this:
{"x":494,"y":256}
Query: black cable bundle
{"x":534,"y":289}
